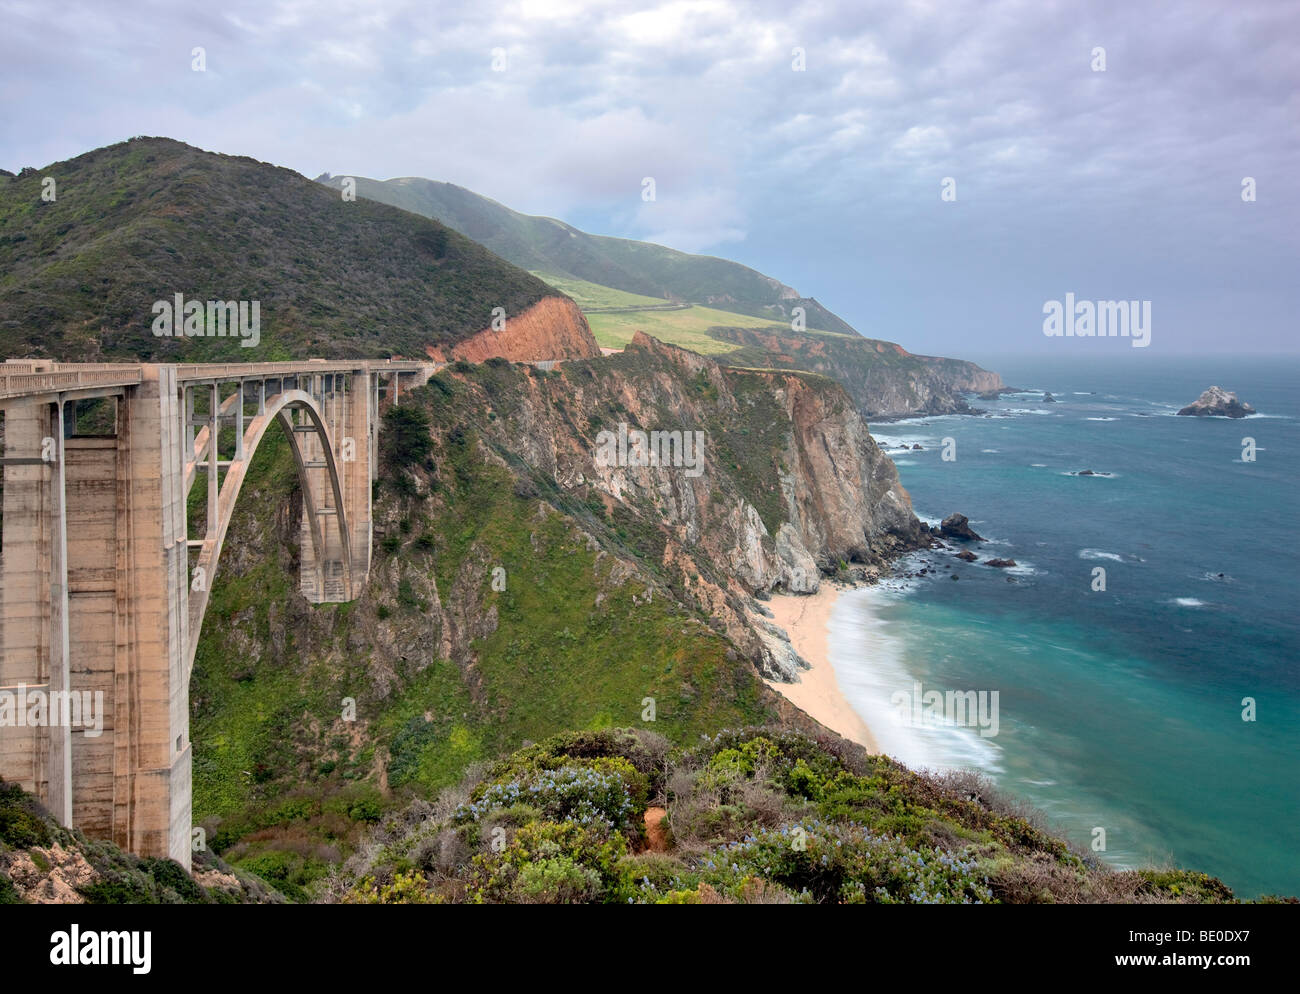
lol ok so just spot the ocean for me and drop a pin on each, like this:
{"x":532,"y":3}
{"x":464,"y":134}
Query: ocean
{"x":1119,"y":709}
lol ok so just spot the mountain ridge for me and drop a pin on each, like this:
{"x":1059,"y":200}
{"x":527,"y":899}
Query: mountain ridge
{"x":884,"y":379}
{"x":540,"y":243}
{"x":145,"y":219}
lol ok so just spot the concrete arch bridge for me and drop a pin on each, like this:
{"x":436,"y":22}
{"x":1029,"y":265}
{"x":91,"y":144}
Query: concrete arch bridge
{"x":103,"y":587}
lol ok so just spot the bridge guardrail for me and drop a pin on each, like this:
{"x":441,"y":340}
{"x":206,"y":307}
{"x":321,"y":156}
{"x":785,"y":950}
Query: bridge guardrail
{"x":27,"y":384}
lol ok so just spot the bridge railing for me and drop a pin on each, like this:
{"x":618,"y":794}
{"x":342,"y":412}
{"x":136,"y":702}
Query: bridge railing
{"x":23,"y":378}
{"x":27,"y":384}
{"x":269,"y":370}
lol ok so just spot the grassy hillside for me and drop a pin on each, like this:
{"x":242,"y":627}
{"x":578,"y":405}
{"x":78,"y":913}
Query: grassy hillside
{"x":543,"y":244}
{"x":446,"y":670}
{"x":594,"y":297}
{"x":758,"y":816}
{"x":142,"y":220}
{"x":689,"y":328}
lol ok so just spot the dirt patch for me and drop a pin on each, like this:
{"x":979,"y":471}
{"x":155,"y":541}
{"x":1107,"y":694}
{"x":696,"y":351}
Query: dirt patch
{"x":656,"y":832}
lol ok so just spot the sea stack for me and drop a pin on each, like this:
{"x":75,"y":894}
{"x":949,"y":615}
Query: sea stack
{"x":958,"y":526}
{"x":1217,"y":402}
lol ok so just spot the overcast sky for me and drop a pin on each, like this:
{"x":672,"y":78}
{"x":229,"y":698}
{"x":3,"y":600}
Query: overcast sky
{"x":1122,"y":183}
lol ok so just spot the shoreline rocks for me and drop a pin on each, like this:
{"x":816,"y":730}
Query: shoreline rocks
{"x":1217,"y":402}
{"x":958,"y":526}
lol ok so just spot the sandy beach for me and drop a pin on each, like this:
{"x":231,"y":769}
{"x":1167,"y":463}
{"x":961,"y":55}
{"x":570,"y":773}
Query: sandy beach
{"x":806,"y":619}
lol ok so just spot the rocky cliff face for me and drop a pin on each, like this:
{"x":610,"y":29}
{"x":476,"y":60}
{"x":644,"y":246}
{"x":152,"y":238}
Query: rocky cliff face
{"x":552,"y":328}
{"x":884,"y":379}
{"x":789,"y":481}
{"x":621,"y":580}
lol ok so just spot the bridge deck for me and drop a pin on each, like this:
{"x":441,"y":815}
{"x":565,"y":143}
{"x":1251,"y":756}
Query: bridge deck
{"x":35,"y":379}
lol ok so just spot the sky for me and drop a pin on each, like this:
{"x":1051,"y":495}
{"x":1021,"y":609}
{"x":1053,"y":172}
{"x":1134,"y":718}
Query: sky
{"x":1099,"y":149}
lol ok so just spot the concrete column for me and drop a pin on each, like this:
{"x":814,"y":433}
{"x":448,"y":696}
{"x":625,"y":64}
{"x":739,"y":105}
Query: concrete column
{"x":59,"y":799}
{"x":239,"y":423}
{"x":152,"y":788}
{"x":26,"y":563}
{"x":357,"y":425}
{"x":214,"y":482}
{"x":91,"y":474}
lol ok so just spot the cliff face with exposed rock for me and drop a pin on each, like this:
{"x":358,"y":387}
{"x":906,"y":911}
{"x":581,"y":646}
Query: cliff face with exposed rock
{"x":552,"y":328}
{"x":523,"y":584}
{"x":790,"y":483}
{"x":884,"y":379}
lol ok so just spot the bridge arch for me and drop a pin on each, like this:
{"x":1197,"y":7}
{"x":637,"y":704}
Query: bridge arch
{"x":96,"y":583}
{"x":278,"y":407}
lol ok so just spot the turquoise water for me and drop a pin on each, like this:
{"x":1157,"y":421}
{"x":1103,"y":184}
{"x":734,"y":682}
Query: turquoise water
{"x":1118,"y":709}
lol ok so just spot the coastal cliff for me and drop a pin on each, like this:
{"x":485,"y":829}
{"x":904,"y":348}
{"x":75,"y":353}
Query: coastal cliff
{"x":552,"y":328}
{"x":884,"y":379}
{"x":521,"y":585}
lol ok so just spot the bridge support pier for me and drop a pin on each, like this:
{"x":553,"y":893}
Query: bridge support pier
{"x":99,"y":595}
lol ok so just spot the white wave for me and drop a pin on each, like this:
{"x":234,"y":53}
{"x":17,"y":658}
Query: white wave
{"x":1101,"y":419}
{"x":988,"y":450}
{"x":904,"y":462}
{"x":870,"y":658}
{"x":891,"y":442}
{"x":1187,"y":602}
{"x":1038,"y":465}
{"x":1098,"y":554}
{"x":1022,"y":568}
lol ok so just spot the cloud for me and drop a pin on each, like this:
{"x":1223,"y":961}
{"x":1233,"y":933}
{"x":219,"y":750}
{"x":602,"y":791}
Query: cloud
{"x":704,"y":96}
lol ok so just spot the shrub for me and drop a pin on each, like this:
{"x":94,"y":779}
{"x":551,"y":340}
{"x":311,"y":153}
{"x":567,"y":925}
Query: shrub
{"x":406,"y":888}
{"x":21,"y":829}
{"x":582,"y":794}
{"x":558,"y":880}
{"x":170,"y":875}
{"x":847,"y":863}
{"x":405,"y":441}
{"x":8,"y":892}
{"x":495,"y":877}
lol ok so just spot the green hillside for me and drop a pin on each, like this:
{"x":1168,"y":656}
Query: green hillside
{"x":756,"y":816}
{"x":146,"y":219}
{"x":543,"y":244}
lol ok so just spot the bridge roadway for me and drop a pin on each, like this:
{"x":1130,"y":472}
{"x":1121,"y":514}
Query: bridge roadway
{"x":104,"y":577}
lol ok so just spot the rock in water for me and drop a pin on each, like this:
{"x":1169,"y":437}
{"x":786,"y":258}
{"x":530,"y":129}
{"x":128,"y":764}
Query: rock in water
{"x":967,"y":556}
{"x":1217,"y":402}
{"x":1000,"y":563}
{"x":958,"y":526}
{"x":1048,"y":398}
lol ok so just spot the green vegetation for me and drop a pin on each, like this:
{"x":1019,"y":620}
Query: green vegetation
{"x":545,"y":245}
{"x":447,"y":669}
{"x":689,"y":328}
{"x":40,"y":857}
{"x":757,"y":816}
{"x":593,"y":296}
{"x":146,"y":219}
